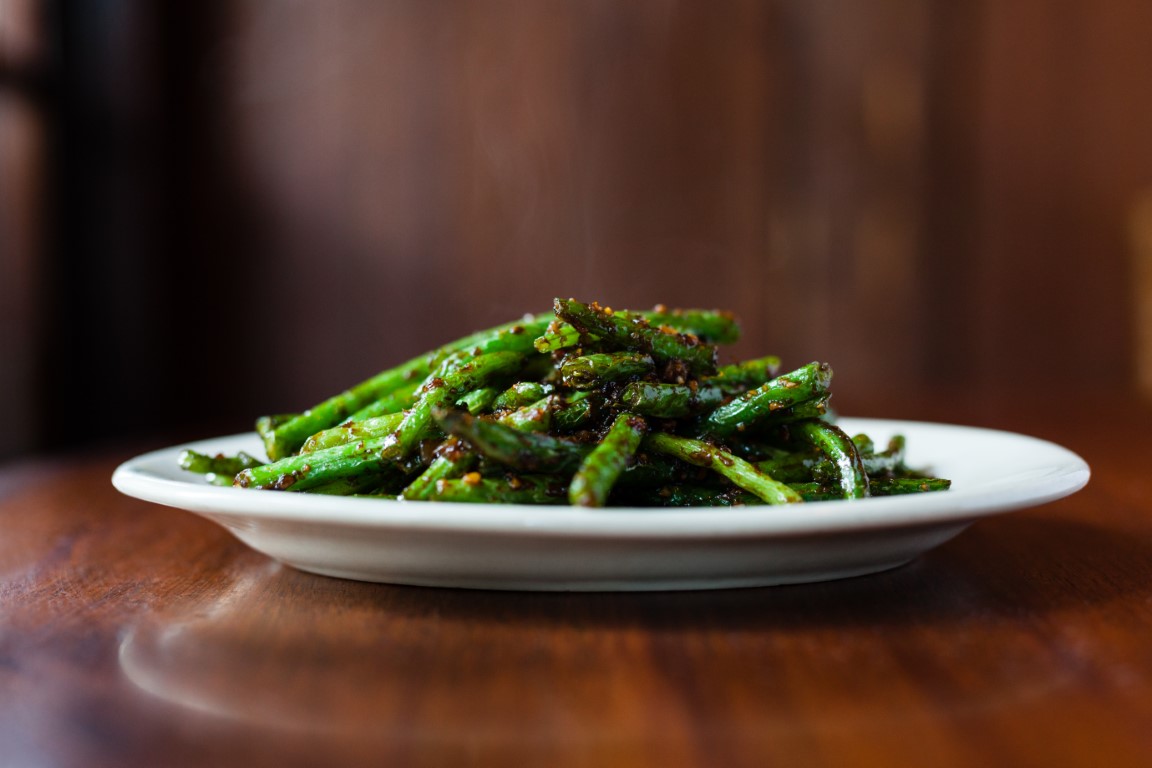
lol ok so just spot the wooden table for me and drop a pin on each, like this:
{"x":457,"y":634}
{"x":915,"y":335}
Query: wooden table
{"x":135,"y":635}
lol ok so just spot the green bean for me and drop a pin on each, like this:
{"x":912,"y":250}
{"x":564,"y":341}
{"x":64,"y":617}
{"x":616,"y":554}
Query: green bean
{"x":809,"y":382}
{"x":521,"y":489}
{"x":574,"y":411}
{"x":218,"y":464}
{"x":701,"y":496}
{"x":744,"y":375}
{"x":378,"y":426}
{"x":732,"y":467}
{"x":850,"y":477}
{"x":520,"y":394}
{"x":888,"y":486}
{"x":309,"y":470}
{"x":453,"y":459}
{"x":588,"y":371}
{"x":598,"y":472}
{"x":444,"y":390}
{"x":291,"y":434}
{"x":634,"y":334}
{"x":393,"y":402}
{"x":536,"y":417}
{"x":479,"y":400}
{"x":524,"y":451}
{"x":670,"y":401}
{"x":715,"y":326}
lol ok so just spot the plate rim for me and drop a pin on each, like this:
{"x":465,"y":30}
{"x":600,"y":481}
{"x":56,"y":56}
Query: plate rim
{"x":133,"y":478}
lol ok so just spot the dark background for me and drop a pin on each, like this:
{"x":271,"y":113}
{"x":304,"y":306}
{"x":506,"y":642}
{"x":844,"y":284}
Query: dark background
{"x":214,"y":210}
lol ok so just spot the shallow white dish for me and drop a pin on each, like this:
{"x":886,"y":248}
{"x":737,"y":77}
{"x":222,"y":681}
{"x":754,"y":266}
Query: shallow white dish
{"x":506,"y":546}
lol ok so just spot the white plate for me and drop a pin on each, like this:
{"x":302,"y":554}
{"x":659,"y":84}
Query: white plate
{"x":504,"y":546}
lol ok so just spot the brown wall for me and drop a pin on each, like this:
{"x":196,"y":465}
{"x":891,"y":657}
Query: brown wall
{"x":926,"y":194}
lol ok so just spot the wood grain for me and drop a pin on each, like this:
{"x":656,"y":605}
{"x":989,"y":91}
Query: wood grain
{"x":137,"y":635}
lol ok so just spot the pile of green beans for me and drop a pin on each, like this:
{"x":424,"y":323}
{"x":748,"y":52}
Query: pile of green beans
{"x":584,"y":406}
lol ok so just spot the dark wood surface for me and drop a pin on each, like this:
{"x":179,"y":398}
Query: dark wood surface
{"x":135,"y":635}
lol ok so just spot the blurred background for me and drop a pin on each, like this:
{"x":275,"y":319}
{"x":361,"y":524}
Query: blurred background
{"x":214,"y":210}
